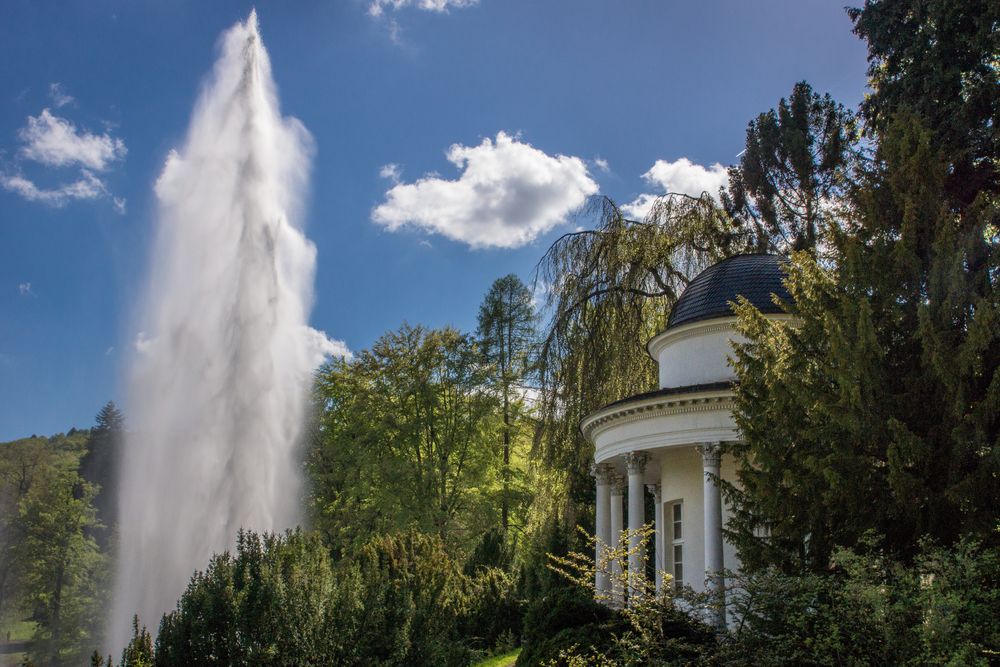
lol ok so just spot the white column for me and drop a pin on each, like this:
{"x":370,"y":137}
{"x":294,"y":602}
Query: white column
{"x":711,"y":455}
{"x":617,"y":493}
{"x":604,"y":474}
{"x":658,"y":531}
{"x":635,"y":462}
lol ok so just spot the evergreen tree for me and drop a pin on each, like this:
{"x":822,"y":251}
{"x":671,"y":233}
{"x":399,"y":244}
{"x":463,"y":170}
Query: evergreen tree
{"x":506,"y":338}
{"x":101,"y":463}
{"x":881,"y":408}
{"x":793,"y":171}
{"x":937,"y":59}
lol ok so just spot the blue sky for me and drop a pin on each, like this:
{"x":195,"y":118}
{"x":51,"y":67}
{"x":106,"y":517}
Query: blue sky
{"x":545,"y":103}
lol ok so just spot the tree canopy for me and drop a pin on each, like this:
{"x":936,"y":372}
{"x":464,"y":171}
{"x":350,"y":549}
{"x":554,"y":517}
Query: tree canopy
{"x":406,"y":437}
{"x":794,"y":170}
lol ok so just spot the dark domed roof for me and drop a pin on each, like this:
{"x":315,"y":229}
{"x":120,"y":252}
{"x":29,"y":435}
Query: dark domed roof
{"x":755,"y":277}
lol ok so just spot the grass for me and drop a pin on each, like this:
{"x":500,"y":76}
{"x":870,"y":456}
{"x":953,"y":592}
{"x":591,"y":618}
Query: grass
{"x":503,"y":660}
{"x":19,"y":631}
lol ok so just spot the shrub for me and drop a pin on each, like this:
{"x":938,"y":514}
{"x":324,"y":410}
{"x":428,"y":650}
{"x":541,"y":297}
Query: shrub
{"x":494,"y":613}
{"x":944,"y":609}
{"x":276,"y":602}
{"x":562,"y":609}
{"x":413,"y":599}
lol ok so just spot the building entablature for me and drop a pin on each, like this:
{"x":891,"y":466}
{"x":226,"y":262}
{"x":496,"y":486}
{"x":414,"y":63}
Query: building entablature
{"x":662,"y":419}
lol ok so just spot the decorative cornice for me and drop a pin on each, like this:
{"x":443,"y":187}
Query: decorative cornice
{"x":635,"y":462}
{"x":648,"y":408}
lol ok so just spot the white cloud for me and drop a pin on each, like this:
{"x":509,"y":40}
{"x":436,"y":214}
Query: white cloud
{"x":107,"y":352}
{"x":87,"y":186}
{"x":602,"y":164}
{"x":679,"y":176}
{"x":55,"y":142}
{"x":25,"y":289}
{"x":378,"y":7}
{"x":395,"y":32}
{"x":391,"y":171}
{"x":59,"y":96}
{"x":508,"y":194}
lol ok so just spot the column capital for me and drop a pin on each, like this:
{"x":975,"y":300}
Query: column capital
{"x":711,"y":454}
{"x":619,"y":484}
{"x":655,"y":490}
{"x":604,"y":473}
{"x":635,"y":462}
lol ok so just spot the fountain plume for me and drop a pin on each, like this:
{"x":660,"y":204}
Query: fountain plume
{"x":217,"y":388}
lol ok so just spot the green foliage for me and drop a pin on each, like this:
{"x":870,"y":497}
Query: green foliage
{"x":100,"y":464}
{"x":565,"y":618}
{"x":879,"y":408}
{"x":51,"y":570}
{"x":937,"y":59}
{"x":552,"y":538}
{"x":139,"y":652}
{"x":492,"y":551}
{"x":610,"y":290}
{"x":280,"y":601}
{"x":794,"y":169}
{"x":507,"y":339}
{"x":494,"y":615}
{"x":277,"y":601}
{"x":942,"y":610}
{"x":647,"y":629}
{"x":64,"y":568}
{"x":406,"y":439}
{"x":413,"y":597}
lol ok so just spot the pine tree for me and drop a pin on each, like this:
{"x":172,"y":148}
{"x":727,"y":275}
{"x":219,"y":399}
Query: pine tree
{"x":794,"y":169}
{"x":101,"y":463}
{"x":507,"y":339}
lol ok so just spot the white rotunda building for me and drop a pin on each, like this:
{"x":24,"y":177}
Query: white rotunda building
{"x":671,"y":442}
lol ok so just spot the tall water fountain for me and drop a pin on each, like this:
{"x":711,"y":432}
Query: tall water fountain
{"x":217,"y":389}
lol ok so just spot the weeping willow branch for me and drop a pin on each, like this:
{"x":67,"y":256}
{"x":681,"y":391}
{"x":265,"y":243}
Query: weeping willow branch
{"x":609,"y":290}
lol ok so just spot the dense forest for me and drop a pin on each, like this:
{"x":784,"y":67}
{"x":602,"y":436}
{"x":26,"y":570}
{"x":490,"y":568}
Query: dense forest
{"x":449,"y":492}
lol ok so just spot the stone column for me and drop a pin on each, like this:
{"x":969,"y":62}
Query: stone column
{"x":711,"y":455}
{"x":635,"y":462}
{"x":658,"y":532}
{"x":604,"y":474}
{"x":617,"y":494}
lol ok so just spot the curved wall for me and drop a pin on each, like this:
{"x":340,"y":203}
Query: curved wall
{"x":697,"y":353}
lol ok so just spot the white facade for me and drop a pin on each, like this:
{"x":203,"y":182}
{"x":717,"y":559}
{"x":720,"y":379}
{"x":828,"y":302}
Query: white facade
{"x":671,"y":443}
